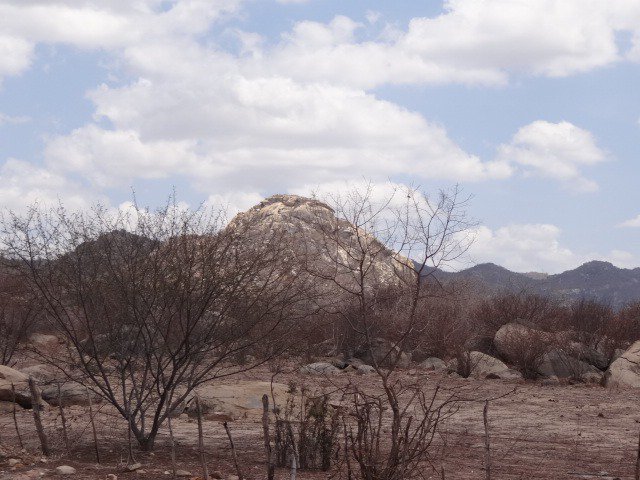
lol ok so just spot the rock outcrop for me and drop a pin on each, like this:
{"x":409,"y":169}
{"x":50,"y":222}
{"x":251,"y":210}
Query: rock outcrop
{"x":486,"y":366}
{"x":625,"y":371}
{"x":20,"y":382}
{"x":243,"y":399}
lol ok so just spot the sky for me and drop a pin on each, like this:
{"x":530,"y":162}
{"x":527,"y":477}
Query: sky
{"x":532,"y":107}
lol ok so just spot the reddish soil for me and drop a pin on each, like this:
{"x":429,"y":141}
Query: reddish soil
{"x":536,"y":432}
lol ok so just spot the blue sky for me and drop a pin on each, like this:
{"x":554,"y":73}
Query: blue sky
{"x":532,"y":107}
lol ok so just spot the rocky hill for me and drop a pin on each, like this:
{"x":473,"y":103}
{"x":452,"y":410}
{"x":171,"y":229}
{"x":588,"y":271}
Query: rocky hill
{"x":599,"y":280}
{"x":308,"y":223}
{"x":329,"y":246}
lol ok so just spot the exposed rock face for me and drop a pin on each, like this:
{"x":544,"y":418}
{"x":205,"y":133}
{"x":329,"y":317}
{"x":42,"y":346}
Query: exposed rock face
{"x":308,"y":224}
{"x":483,"y":365}
{"x":560,"y":364}
{"x":20,"y":381}
{"x":625,"y":371}
{"x":243,"y":399}
{"x":71,"y":393}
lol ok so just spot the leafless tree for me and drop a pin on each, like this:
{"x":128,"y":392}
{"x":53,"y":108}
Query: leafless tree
{"x":153,"y":304}
{"x":378,"y":262}
{"x":19,"y":314}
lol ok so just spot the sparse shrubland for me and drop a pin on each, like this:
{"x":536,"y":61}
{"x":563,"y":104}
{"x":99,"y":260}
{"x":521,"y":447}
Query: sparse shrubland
{"x":151,"y":308}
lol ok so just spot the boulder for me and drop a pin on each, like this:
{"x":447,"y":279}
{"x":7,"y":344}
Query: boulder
{"x":509,"y":339}
{"x":365,"y":369}
{"x":71,"y":393}
{"x":434,"y":364}
{"x":44,"y":340}
{"x":591,"y":377}
{"x":65,"y":470}
{"x":625,"y":371}
{"x":589,"y":355}
{"x":550,"y":381}
{"x":242,"y":399}
{"x":483,"y":365}
{"x":319,"y":368}
{"x":562,"y":365}
{"x":383,"y":352}
{"x":20,"y":382}
{"x":42,"y":373}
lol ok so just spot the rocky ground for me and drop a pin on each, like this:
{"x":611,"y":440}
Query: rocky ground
{"x":536,"y":431}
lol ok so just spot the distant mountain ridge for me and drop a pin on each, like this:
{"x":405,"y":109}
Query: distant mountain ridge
{"x":596,"y":279}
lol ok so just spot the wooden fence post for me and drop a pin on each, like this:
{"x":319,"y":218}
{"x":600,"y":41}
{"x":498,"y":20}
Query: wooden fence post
{"x":267,"y":439}
{"x":487,"y":447}
{"x":15,"y":418}
{"x":93,"y":426}
{"x":36,"y":405}
{"x":203,"y":459}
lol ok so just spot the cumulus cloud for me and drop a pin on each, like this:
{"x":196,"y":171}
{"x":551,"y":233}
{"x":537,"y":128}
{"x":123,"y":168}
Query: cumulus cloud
{"x":258,"y":133}
{"x":554,"y":150}
{"x":534,"y":248}
{"x":471,"y":42}
{"x":631,"y":223}
{"x":23,"y":184}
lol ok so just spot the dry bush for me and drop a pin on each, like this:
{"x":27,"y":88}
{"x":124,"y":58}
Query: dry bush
{"x":390,"y":436}
{"x":526,"y":351}
{"x":591,"y":319}
{"x":307,"y":431}
{"x":625,"y":326}
{"x":444,"y":328}
{"x":19,"y":316}
{"x":508,"y":307}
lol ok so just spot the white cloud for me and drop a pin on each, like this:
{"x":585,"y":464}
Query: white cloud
{"x":471,"y":42}
{"x":534,"y":248}
{"x":12,"y":120}
{"x":112,"y":26}
{"x":631,"y":223}
{"x":554,"y":150}
{"x":258,"y":134}
{"x":23,"y":184}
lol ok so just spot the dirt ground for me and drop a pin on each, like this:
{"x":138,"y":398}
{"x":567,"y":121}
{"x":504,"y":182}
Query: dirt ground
{"x":536,"y":432}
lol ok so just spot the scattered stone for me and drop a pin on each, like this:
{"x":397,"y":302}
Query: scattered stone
{"x":183,"y":473}
{"x":434,"y":364}
{"x":319,"y":368}
{"x":337,"y":362}
{"x":111,"y":476}
{"x":550,"y":381}
{"x":365,"y":369}
{"x":217,"y":474}
{"x":233,"y":477}
{"x":71,"y":393}
{"x":133,"y":467}
{"x":65,"y":470}
{"x":12,"y":462}
{"x":591,"y":377}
